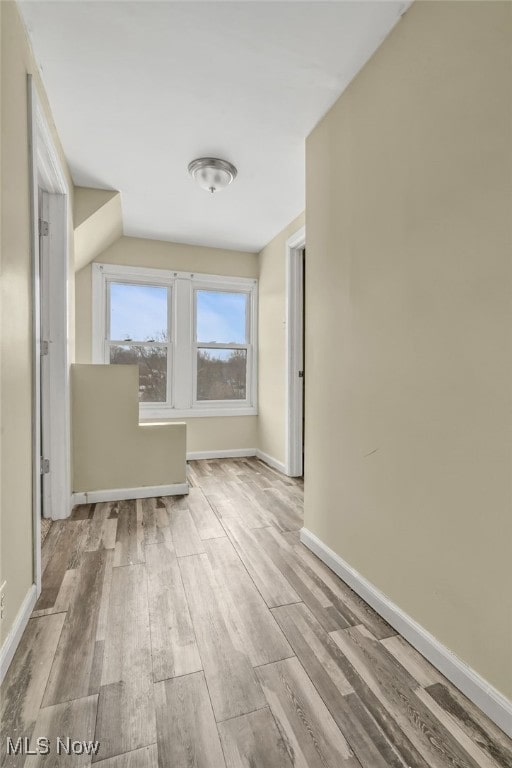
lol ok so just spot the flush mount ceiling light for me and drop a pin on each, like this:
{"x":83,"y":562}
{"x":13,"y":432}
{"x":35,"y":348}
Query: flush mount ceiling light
{"x":211,"y":173}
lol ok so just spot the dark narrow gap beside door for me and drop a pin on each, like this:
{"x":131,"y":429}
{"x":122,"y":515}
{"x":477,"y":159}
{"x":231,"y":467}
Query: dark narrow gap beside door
{"x":303,"y":354}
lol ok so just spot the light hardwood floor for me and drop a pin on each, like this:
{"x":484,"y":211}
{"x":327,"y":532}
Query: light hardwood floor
{"x":197,"y":632}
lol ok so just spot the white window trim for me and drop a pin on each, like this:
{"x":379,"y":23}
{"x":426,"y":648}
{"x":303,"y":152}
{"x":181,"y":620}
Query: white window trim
{"x":182,"y":348}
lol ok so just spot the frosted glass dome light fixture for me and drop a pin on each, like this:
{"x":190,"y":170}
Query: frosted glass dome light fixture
{"x":211,"y":173}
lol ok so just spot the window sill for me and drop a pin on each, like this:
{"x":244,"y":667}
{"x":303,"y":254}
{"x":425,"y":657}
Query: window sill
{"x":170,"y":414}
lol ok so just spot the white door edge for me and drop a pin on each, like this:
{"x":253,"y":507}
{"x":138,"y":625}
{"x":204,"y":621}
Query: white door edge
{"x":294,"y":353}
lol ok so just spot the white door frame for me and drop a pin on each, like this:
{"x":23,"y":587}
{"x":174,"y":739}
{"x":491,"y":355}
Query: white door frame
{"x":46,"y":174}
{"x":294,"y":352}
{"x":44,"y":332}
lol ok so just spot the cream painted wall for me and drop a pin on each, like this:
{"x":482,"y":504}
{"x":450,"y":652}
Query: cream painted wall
{"x":89,"y":200}
{"x":203,"y":433}
{"x":272,"y":344}
{"x":16,"y":336}
{"x":110,"y":449}
{"x":409,"y":317}
{"x":98,"y":222}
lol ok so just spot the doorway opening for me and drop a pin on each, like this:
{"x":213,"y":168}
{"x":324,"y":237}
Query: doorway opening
{"x":295,"y":349}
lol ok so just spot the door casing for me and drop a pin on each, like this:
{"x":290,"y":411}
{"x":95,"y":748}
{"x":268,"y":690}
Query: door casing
{"x":48,"y":182}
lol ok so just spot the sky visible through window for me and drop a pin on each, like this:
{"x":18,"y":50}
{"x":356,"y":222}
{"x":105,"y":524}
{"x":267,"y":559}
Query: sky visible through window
{"x":221,"y":317}
{"x":139,"y":313}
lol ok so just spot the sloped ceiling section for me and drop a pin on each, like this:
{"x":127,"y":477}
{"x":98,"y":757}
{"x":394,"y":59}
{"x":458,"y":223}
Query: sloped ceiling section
{"x":98,"y":220}
{"x":138,"y":89}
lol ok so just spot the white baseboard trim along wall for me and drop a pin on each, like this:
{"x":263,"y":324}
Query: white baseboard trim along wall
{"x":274,"y":463}
{"x":12,"y":640}
{"x":481,"y":693}
{"x":176,"y":489}
{"x":120,"y":494}
{"x":233,"y":453}
{"x":238,"y":453}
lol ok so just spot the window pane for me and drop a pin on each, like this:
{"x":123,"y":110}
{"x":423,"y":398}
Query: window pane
{"x":138,"y":312}
{"x":221,"y":374}
{"x":152,"y":362}
{"x":221,"y":317}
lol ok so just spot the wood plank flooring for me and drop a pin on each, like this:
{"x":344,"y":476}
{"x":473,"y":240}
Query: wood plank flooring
{"x":198,"y":632}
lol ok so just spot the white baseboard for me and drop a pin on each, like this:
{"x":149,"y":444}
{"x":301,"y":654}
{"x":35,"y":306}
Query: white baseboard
{"x":238,"y":453}
{"x":274,"y":463}
{"x":233,"y":453}
{"x":481,"y":693}
{"x":120,"y":494}
{"x":12,"y":640}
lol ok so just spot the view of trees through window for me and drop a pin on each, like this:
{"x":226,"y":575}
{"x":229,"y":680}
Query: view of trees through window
{"x":221,"y":374}
{"x":139,"y":334}
{"x":152,"y":362}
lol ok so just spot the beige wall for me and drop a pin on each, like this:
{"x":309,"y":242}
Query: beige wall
{"x":203,"y":433}
{"x":110,"y":449}
{"x":98,"y":222}
{"x":409,"y":323}
{"x":16,"y":337}
{"x":272,"y":344}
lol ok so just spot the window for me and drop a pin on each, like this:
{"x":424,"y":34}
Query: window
{"x":138,"y":332}
{"x":221,"y":345}
{"x":192,"y":336}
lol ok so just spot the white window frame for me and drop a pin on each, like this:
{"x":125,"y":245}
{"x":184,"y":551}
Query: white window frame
{"x":196,"y":345}
{"x":182,"y":346}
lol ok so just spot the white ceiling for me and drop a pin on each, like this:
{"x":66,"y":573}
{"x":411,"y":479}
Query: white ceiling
{"x":138,"y":89}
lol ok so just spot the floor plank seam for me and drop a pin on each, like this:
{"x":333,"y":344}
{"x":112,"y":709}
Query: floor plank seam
{"x":96,"y":718}
{"x":241,"y":714}
{"x":53,"y":659}
{"x":268,"y":663}
{"x":122,"y":754}
{"x":283,"y":605}
{"x":125,"y":565}
{"x":236,"y":548}
{"x":38,"y":615}
{"x":238,"y":554}
{"x":177,"y":677}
